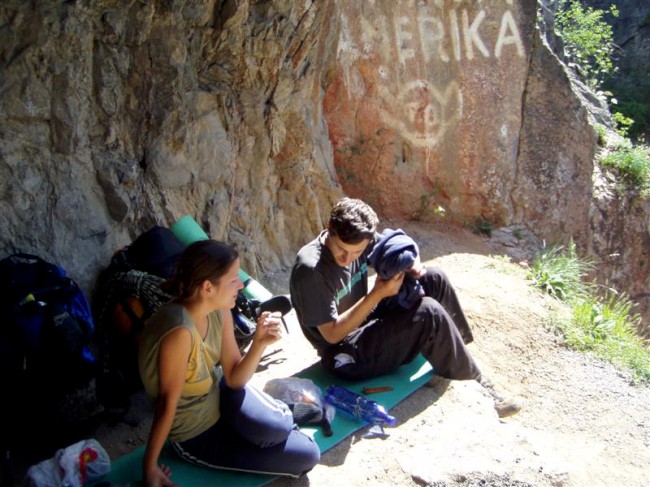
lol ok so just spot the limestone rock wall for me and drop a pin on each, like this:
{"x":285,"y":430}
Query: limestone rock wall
{"x":254,"y":116}
{"x":116,"y":115}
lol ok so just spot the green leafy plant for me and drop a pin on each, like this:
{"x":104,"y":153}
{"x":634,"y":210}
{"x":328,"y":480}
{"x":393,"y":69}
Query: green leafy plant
{"x":602,"y":320}
{"x":602,"y":135}
{"x":632,"y":164}
{"x":482,"y":226}
{"x":429,"y":208}
{"x":635,"y":105}
{"x":607,"y":326}
{"x":588,"y":39}
{"x":559,"y":272}
{"x":623,"y":123}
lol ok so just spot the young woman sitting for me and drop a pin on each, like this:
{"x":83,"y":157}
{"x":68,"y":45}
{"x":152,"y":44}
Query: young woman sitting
{"x":214,"y":423}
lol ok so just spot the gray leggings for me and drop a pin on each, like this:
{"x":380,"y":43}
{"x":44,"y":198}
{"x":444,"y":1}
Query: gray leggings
{"x":255,"y":433}
{"x":393,"y":336}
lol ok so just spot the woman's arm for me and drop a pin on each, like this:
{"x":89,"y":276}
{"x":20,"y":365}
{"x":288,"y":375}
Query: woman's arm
{"x":238,"y":370}
{"x":174,"y":353}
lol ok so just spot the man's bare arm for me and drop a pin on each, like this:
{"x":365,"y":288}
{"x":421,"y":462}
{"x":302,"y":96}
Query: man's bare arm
{"x":335,"y":331}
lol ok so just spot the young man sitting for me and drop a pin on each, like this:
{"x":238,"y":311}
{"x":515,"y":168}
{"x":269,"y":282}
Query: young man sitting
{"x":411,"y":309}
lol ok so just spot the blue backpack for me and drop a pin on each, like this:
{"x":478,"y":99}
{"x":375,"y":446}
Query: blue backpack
{"x":45,"y":337}
{"x":47,"y":323}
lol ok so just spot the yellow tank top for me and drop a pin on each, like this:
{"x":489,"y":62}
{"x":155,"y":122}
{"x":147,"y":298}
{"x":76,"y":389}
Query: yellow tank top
{"x":198,"y":406}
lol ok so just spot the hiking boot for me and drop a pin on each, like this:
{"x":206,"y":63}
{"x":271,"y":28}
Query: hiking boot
{"x":504,"y":406}
{"x":508,"y":407}
{"x":485,"y":382}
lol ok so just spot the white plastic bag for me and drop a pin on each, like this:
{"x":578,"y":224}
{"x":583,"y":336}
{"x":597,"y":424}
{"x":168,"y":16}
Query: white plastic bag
{"x":305,"y":399}
{"x":73,"y":466}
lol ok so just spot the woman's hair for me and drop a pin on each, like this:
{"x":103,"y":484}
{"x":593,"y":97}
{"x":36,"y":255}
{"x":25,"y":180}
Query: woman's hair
{"x":352,"y":221}
{"x":205,"y":260}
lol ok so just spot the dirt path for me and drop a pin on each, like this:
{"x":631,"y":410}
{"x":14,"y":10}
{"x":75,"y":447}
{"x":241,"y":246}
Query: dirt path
{"x":584,"y":423}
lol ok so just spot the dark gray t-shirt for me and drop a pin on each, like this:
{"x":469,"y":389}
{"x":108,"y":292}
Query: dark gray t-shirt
{"x":321,"y":289}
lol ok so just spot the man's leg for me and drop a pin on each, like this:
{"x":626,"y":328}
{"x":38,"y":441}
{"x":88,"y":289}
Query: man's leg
{"x":394,"y":336}
{"x":445,"y":348}
{"x":437,"y":286}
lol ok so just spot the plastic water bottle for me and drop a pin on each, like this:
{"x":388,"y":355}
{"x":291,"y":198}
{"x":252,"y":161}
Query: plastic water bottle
{"x":358,"y":406}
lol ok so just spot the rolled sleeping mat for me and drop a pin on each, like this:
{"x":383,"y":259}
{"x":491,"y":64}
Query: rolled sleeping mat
{"x":187,"y":231}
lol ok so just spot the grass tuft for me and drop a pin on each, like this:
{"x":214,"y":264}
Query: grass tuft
{"x":602,"y":319}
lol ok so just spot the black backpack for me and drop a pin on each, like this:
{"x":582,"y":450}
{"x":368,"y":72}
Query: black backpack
{"x":128,"y":293}
{"x":45,"y":344}
{"x":47,"y":321}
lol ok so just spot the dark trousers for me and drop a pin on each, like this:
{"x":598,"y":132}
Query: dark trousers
{"x":393,"y":336}
{"x":255,"y":433}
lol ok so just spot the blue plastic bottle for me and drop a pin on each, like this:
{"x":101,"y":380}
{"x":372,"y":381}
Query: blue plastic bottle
{"x":358,"y":406}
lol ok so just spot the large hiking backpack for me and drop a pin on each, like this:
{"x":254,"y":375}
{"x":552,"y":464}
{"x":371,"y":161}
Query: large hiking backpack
{"x":47,"y":319}
{"x":128,"y":293}
{"x":45,"y":343}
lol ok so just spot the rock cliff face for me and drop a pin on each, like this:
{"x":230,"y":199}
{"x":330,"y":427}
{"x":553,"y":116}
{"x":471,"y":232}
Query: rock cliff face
{"x":118,"y":114}
{"x":255,"y":116}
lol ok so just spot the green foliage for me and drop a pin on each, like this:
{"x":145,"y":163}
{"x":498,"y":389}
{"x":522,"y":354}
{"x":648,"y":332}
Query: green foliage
{"x":560,"y":273}
{"x":623,"y":123}
{"x":429,"y":208}
{"x":602,"y":135}
{"x":635,"y":105}
{"x":589,"y":42}
{"x":597,"y":318}
{"x":607,"y":326}
{"x":588,"y":39}
{"x":603,"y":323}
{"x":632,"y":164}
{"x":518,"y":233}
{"x":482,"y":226}
{"x":503,"y":264}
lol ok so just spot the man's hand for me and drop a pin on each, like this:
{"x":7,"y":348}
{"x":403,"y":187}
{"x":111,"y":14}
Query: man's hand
{"x":389,"y":287}
{"x":418,"y":269}
{"x":335,"y":331}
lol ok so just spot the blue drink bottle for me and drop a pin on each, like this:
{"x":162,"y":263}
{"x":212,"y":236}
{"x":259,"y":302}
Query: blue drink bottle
{"x":358,"y":406}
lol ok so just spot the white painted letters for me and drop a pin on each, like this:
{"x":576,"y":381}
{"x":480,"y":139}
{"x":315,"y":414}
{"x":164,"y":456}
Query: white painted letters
{"x":472,"y":37}
{"x":432,"y":36}
{"x":404,"y":38}
{"x":508,"y":24}
{"x":414,"y":52}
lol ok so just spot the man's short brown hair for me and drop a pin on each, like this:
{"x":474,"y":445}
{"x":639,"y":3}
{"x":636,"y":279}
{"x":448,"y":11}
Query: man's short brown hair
{"x":352,"y":221}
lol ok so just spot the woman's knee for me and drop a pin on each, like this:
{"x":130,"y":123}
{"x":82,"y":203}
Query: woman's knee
{"x":261,"y":419}
{"x":303,"y":453}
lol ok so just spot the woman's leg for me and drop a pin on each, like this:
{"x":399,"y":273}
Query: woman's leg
{"x":259,"y":418}
{"x":253,"y":434}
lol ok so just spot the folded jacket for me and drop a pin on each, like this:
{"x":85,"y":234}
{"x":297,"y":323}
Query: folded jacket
{"x":394,"y":253}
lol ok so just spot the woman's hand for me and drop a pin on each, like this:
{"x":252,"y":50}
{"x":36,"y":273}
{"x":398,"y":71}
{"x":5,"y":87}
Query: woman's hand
{"x":238,"y":370}
{"x":159,"y":476}
{"x":269,"y":329}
